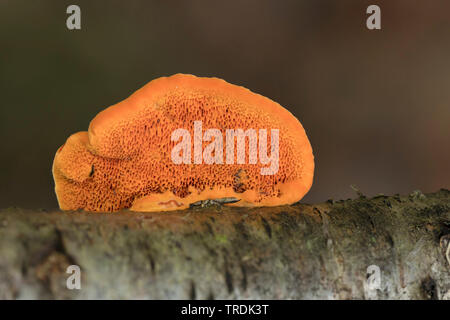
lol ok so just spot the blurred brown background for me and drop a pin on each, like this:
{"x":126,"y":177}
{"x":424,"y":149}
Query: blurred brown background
{"x":375,"y":104}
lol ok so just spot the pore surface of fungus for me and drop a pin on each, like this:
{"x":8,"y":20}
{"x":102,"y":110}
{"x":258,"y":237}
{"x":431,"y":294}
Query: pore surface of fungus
{"x":133,"y":156}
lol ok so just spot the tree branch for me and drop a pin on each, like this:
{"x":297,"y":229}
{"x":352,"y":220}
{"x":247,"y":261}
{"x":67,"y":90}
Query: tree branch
{"x":291,"y":252}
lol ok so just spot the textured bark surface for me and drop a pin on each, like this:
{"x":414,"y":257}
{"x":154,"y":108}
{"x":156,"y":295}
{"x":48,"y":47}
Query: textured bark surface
{"x":294,"y":252}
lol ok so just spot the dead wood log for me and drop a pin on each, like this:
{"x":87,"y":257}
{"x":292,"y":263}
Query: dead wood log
{"x":293,"y":252}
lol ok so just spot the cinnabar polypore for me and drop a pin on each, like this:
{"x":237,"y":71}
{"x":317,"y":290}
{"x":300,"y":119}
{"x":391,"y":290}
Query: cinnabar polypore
{"x":124,"y":159}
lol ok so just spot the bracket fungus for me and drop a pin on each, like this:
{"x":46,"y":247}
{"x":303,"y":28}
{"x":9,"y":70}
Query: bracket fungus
{"x":180,"y":140}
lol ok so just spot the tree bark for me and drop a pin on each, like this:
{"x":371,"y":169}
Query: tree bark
{"x":325,"y":251}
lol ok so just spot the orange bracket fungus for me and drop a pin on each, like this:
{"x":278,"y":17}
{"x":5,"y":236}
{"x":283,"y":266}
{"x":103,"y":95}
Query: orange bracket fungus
{"x":181,"y":140}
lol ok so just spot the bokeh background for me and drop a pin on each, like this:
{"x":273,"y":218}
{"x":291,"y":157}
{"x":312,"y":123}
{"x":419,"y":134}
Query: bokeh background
{"x":375,"y":104}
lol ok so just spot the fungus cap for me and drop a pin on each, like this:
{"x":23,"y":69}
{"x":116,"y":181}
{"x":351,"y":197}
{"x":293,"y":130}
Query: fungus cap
{"x":125,"y":159}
